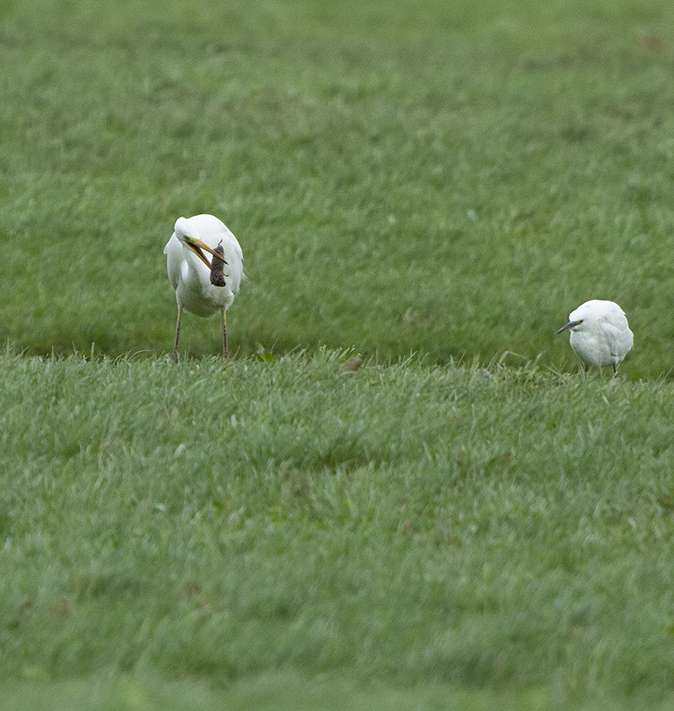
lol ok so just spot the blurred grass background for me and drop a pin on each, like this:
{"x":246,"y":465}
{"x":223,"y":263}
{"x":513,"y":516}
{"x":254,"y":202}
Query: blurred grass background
{"x":448,"y":178}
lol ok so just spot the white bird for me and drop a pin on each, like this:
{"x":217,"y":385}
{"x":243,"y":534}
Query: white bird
{"x":599,"y":333}
{"x":194,"y":278}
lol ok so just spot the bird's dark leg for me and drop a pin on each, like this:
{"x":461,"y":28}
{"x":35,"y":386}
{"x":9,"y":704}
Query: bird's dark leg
{"x":225,"y":348}
{"x":175,"y":347}
{"x":615,"y":370}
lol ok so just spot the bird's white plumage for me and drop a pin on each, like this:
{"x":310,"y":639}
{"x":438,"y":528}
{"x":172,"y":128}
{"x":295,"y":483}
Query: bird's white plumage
{"x":599,"y":333}
{"x":189,"y":275}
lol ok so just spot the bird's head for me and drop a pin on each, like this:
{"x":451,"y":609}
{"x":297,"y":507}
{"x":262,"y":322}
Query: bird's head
{"x":580,"y":319}
{"x":190,"y":238}
{"x":590,"y":314}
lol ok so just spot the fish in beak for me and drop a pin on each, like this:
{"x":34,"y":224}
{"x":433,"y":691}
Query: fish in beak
{"x":569,"y":326}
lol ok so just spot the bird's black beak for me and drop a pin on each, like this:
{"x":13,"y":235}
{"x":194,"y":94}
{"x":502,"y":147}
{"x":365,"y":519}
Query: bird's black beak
{"x":199,"y":247}
{"x":571,"y":324}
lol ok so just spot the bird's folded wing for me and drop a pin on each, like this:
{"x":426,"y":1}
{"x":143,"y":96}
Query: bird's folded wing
{"x":174,"y":253}
{"x":234,"y":268}
{"x":618,"y":340}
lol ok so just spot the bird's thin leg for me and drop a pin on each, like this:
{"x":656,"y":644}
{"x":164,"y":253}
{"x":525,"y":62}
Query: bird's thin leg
{"x":175,"y":347}
{"x":225,"y":348}
{"x":615,"y":370}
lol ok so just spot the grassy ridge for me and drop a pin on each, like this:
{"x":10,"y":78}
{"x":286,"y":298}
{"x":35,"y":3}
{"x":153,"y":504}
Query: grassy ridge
{"x":400,"y":523}
{"x":265,"y":693}
{"x":452,"y":178}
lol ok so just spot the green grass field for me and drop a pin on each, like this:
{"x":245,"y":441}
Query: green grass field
{"x":475,"y":526}
{"x":407,"y":525}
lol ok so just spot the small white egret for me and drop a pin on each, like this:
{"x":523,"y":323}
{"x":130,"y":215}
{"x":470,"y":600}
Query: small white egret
{"x":599,"y":333}
{"x":204,"y":288}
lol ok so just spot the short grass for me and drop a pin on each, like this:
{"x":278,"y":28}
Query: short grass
{"x":450,"y":178}
{"x":408,"y":526}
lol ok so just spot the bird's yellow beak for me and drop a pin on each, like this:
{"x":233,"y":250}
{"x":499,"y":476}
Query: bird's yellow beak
{"x":199,"y":247}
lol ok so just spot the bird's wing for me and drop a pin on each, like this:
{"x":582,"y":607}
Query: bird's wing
{"x":234,"y":257}
{"x":174,"y":258}
{"x":620,"y":340}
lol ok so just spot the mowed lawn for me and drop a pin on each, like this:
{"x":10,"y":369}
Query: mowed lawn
{"x":477,"y":525}
{"x":397,"y":533}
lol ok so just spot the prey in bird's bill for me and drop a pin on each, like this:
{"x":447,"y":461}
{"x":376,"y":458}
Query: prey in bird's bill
{"x":218,"y":266}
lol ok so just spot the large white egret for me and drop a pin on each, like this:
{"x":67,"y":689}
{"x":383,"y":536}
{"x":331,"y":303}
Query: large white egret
{"x":599,"y":333}
{"x":203,"y":288}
